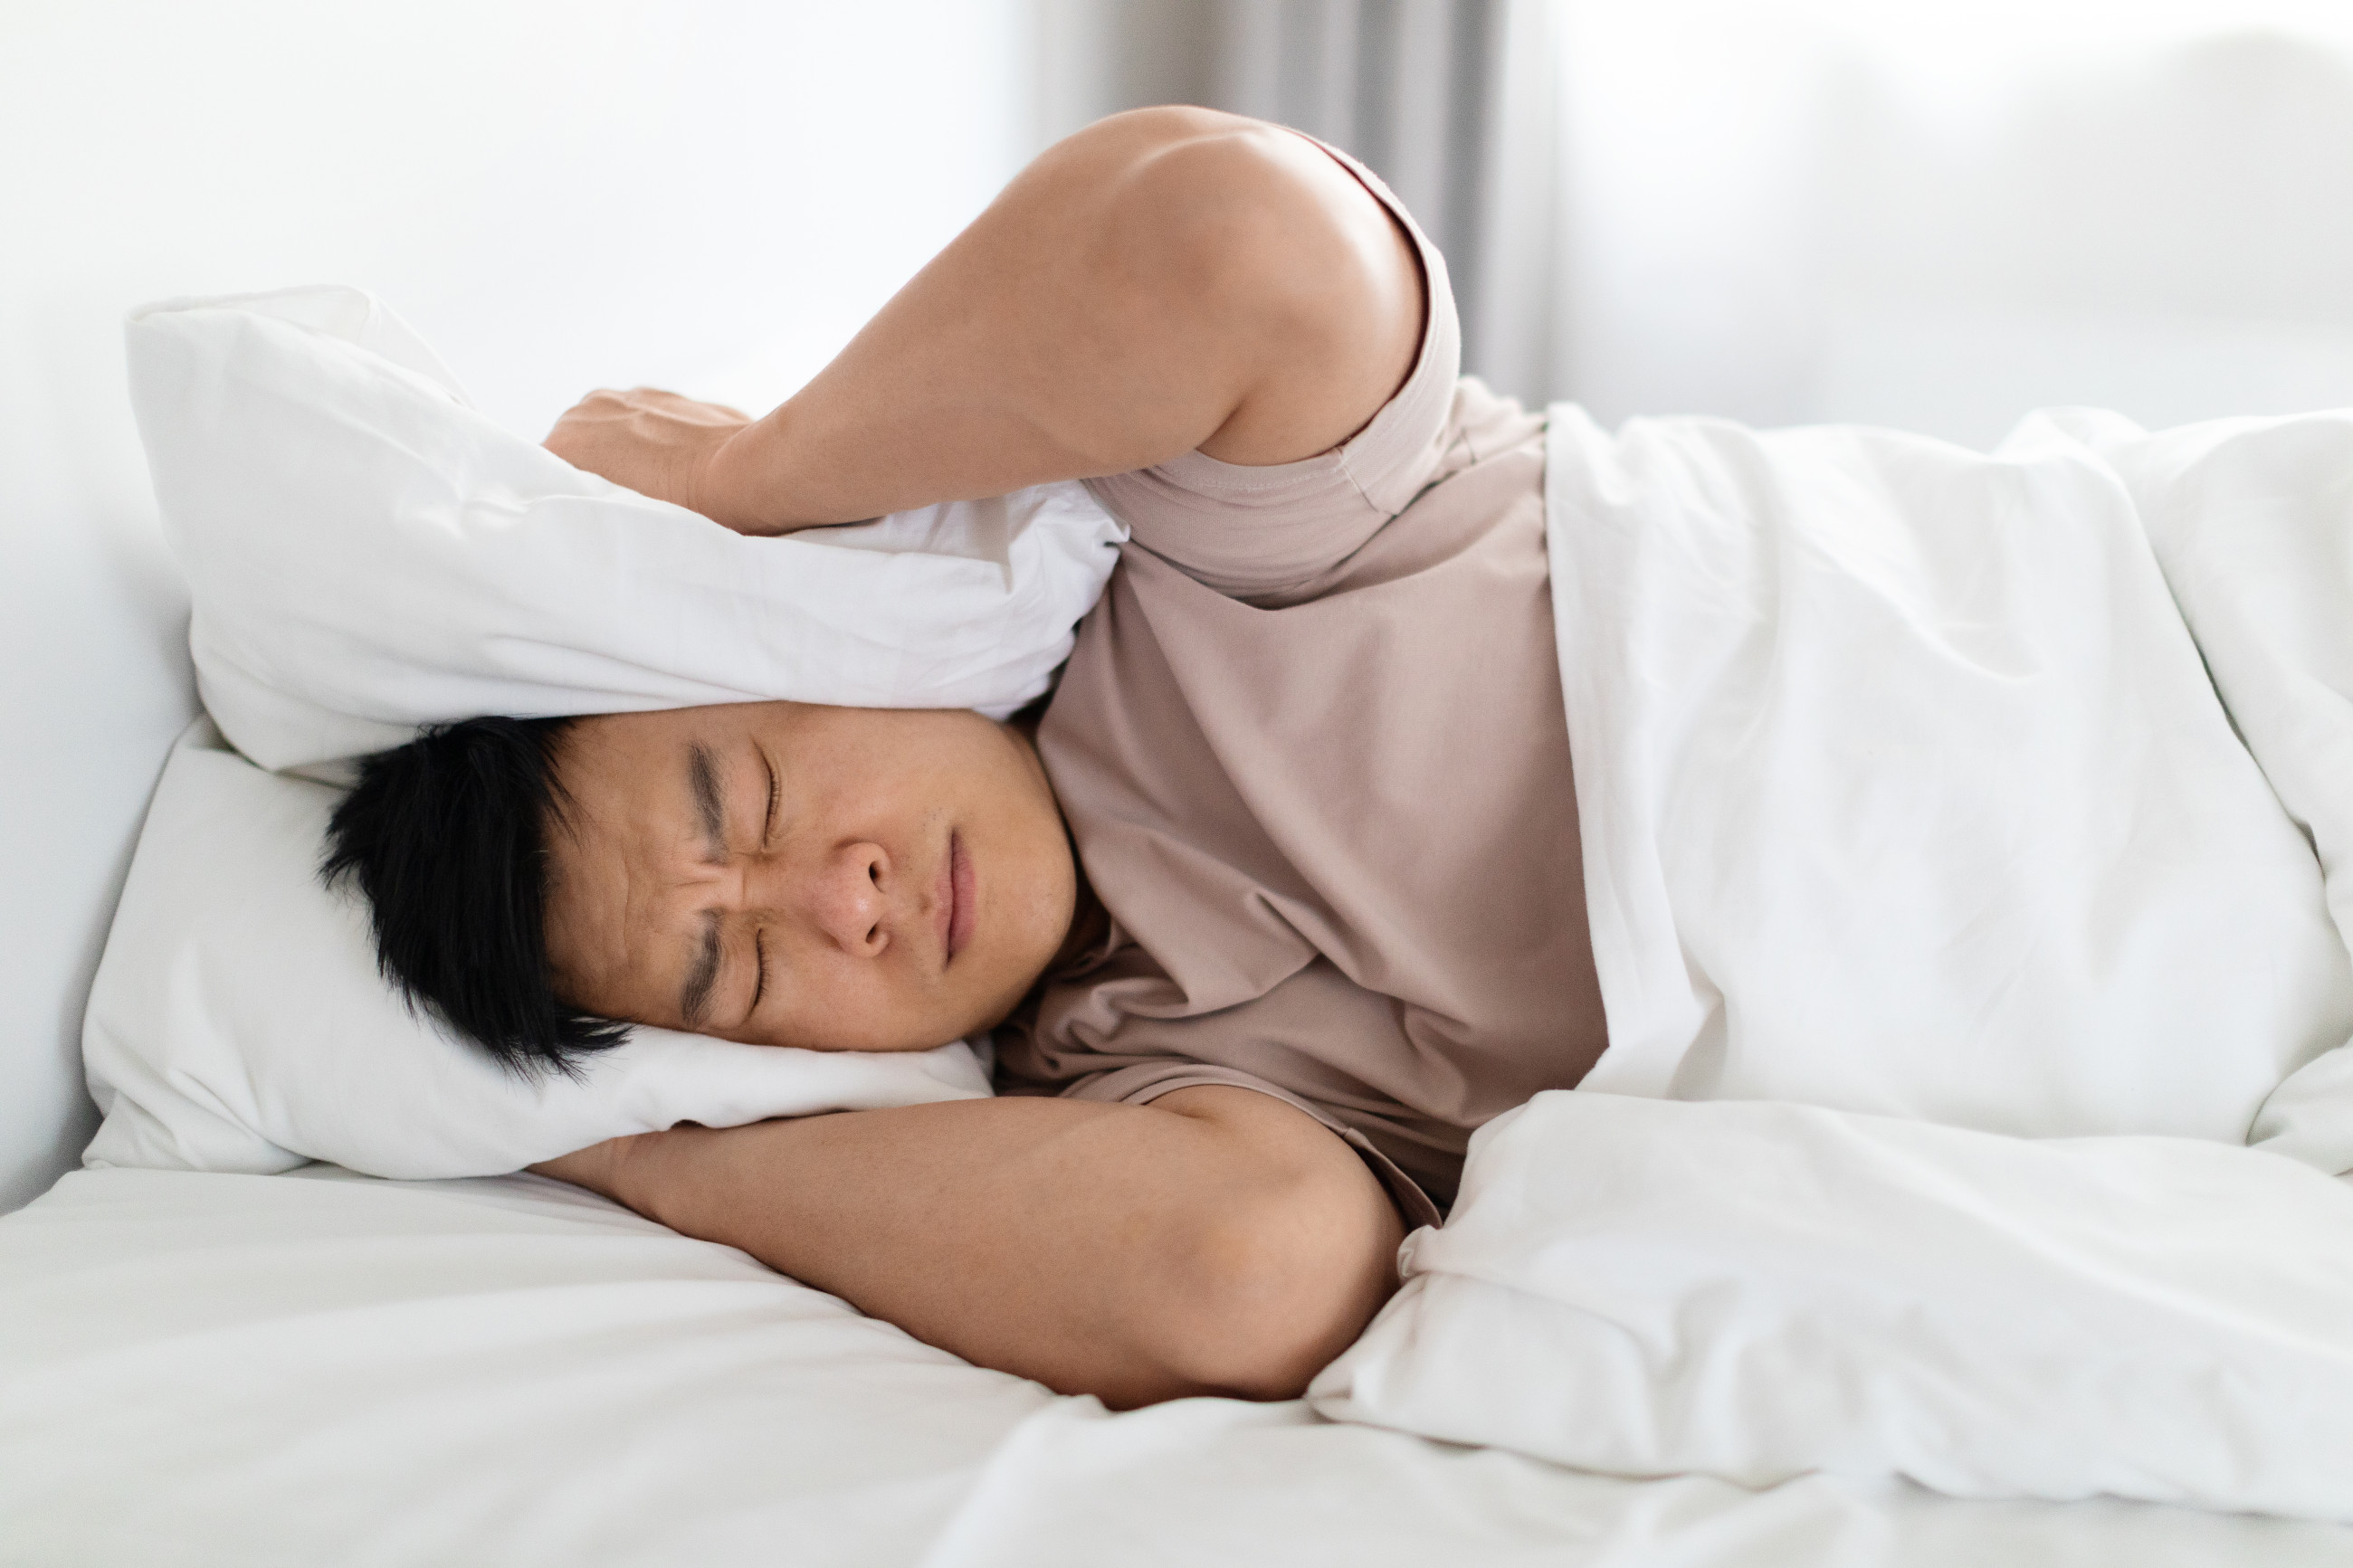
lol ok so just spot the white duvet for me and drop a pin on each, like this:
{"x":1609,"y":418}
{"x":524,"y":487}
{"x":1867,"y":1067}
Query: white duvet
{"x":1915,"y":823}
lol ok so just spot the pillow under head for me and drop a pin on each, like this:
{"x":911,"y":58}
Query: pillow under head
{"x":238,"y":1022}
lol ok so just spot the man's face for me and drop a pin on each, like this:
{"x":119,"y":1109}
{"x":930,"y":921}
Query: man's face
{"x":840,"y":878}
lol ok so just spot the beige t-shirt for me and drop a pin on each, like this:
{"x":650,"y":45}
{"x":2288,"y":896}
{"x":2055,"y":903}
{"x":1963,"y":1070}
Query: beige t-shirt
{"x":1311,"y":750}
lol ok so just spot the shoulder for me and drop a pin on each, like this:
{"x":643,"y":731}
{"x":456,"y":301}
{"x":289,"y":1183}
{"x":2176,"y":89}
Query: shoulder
{"x":1216,"y":200}
{"x":1260,"y":229}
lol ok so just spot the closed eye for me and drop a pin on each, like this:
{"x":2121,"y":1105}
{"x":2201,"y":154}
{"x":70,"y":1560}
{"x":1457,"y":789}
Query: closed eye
{"x":759,"y":972}
{"x":768,"y":829}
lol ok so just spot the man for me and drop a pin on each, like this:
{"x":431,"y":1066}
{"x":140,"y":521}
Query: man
{"x":1325,"y":915}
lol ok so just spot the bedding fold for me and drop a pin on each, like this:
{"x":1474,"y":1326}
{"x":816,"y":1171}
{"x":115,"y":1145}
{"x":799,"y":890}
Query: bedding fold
{"x":1757,"y":1292}
{"x":1904,"y":788}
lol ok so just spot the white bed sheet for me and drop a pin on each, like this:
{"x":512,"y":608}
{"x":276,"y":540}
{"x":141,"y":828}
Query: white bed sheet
{"x":319,"y":1367}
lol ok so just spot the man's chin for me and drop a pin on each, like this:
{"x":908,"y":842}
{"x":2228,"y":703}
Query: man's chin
{"x":876,"y":1046}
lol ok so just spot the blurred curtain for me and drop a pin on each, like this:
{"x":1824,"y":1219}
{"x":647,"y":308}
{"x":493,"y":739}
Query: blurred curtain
{"x":1413,"y":88}
{"x":1407,"y":86}
{"x":1905,"y":212}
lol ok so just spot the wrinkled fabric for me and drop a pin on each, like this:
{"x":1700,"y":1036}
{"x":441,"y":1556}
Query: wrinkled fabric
{"x":1759,"y":1292}
{"x":1904,"y":789}
{"x":249,"y":1372}
{"x":1919,"y":839}
{"x":366,"y":553}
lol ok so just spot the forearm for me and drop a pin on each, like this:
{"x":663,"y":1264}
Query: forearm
{"x":1158,"y":284}
{"x":1047,"y":341}
{"x":1131,"y":1252}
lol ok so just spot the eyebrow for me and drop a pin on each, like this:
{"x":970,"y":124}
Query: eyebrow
{"x":694,"y":996}
{"x":703,"y":782}
{"x":702,"y":777}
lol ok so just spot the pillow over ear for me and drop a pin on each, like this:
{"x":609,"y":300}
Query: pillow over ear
{"x":366,"y":553}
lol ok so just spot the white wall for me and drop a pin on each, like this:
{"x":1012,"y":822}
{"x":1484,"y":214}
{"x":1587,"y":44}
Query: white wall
{"x":1940,"y":216}
{"x":709,"y":197}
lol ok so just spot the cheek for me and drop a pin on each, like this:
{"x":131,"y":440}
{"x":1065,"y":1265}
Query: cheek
{"x":843,"y":1004}
{"x":1045,"y":895}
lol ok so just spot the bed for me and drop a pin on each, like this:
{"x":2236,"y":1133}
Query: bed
{"x":229,"y":1366}
{"x":320,"y":1367}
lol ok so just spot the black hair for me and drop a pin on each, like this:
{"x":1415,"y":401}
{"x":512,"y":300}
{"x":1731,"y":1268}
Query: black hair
{"x":446,"y":838}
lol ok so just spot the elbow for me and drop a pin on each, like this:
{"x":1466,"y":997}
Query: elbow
{"x":1238,"y":225}
{"x":1266,"y":1294}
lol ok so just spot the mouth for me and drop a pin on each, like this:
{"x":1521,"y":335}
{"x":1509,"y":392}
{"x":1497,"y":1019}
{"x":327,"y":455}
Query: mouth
{"x":958,"y":908}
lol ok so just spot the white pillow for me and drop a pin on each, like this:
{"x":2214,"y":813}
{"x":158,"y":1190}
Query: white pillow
{"x":238,"y":1022}
{"x":366,"y":553}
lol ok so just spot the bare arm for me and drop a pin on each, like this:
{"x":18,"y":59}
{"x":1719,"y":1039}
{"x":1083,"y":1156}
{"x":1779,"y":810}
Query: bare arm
{"x":1215,"y":1241}
{"x":1165,"y":280}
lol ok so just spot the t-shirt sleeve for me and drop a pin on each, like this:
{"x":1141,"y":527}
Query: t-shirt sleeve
{"x":1144,"y":1082}
{"x":1248,"y":531}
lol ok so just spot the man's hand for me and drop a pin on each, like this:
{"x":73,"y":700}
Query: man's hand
{"x":656,"y":443}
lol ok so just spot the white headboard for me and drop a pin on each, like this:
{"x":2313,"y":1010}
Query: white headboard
{"x":93,"y":655}
{"x":558,"y":194}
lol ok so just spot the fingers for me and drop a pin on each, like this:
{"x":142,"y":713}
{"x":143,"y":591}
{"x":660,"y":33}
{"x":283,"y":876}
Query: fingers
{"x":608,"y":402}
{"x":650,"y":440}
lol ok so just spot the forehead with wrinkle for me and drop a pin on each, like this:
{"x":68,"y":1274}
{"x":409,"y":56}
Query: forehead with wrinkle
{"x":616,"y":822}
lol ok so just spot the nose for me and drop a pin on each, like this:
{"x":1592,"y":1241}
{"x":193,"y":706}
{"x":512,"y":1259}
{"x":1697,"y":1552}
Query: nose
{"x":851,"y":896}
